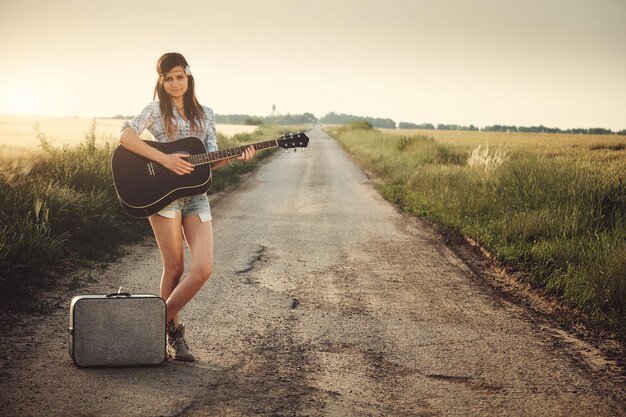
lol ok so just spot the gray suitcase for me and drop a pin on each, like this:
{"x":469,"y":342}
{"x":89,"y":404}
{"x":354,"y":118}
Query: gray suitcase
{"x":117,"y":329}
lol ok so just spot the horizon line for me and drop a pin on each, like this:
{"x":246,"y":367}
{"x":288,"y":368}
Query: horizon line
{"x":124,"y":117}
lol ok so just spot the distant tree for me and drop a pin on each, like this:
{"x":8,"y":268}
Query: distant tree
{"x":599,"y":131}
{"x":309,"y":117}
{"x":342,"y":118}
{"x":442,"y":126}
{"x":408,"y":125}
{"x":285,"y":119}
{"x":502,"y":128}
{"x":290,"y":119}
{"x":385,"y":123}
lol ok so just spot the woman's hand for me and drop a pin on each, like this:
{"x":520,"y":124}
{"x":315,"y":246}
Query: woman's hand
{"x":177,"y":163}
{"x":247,"y":154}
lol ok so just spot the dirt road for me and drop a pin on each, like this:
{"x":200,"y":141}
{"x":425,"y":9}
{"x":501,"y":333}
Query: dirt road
{"x":325,"y":301}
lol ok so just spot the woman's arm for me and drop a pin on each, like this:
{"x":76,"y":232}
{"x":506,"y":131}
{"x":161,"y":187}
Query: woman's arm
{"x":174,"y":162}
{"x":247,"y":154}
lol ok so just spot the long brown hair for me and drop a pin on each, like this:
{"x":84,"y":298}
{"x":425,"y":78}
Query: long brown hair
{"x":193,"y":110}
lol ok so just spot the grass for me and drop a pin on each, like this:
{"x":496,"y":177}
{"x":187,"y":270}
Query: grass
{"x":59,"y":209}
{"x":553,"y":207}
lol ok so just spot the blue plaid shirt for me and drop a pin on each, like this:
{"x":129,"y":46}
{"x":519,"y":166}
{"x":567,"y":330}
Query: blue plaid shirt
{"x":151,"y":118}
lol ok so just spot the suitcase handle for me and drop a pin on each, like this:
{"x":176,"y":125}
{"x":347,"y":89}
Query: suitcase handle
{"x":118,"y":294}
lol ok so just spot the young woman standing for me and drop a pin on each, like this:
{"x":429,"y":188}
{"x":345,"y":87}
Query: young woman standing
{"x":178,"y":114}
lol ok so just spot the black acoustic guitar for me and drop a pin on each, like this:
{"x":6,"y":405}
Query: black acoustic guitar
{"x":144,"y":187}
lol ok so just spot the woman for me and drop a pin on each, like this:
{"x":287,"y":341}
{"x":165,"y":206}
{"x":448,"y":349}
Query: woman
{"x":177,"y":114}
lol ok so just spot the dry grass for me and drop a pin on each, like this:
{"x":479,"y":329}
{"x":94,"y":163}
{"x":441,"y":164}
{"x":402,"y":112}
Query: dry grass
{"x":20,"y":132}
{"x":551,"y":143}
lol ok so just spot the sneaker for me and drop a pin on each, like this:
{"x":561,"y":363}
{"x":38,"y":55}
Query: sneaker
{"x":177,"y":347}
{"x":170,"y":327}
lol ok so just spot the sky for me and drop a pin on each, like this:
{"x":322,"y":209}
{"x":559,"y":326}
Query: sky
{"x":560,"y":63}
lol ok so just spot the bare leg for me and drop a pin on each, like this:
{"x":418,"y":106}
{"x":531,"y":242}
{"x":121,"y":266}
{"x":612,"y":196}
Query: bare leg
{"x":169,"y":237}
{"x":199,"y":237}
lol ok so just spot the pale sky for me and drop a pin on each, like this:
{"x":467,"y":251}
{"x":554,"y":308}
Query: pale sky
{"x":560,"y":63}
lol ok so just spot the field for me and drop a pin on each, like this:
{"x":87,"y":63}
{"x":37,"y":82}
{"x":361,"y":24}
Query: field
{"x":21,"y":131}
{"x":550,"y":207}
{"x":547,"y":143}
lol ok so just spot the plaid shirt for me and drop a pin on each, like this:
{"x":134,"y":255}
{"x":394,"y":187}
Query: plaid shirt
{"x":150,"y":118}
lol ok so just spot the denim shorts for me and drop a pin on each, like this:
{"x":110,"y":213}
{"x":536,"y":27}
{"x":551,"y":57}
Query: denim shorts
{"x":188,"y":206}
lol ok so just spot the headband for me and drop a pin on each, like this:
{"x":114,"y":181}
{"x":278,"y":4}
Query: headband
{"x":187,"y":70}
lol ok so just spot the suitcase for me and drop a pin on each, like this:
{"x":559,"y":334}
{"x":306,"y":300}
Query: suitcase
{"x":117,"y":329}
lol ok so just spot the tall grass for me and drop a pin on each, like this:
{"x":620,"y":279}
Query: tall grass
{"x":59,"y":209}
{"x":555,"y":214}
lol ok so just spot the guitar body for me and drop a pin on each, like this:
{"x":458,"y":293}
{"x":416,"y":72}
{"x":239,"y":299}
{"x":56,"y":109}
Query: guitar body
{"x":145,"y":187}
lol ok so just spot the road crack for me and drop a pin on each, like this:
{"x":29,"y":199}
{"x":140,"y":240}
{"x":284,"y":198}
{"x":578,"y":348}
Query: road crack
{"x":259,"y":256}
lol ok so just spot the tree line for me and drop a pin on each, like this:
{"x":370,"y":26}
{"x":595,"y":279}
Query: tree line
{"x":281,"y":119}
{"x":511,"y":128}
{"x":304,"y":118}
{"x":343,"y":118}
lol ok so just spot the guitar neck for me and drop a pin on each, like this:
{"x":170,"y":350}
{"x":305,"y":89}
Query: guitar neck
{"x":208,"y":157}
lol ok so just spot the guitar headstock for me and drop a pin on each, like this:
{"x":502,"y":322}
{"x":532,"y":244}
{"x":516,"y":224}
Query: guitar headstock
{"x":293,"y":140}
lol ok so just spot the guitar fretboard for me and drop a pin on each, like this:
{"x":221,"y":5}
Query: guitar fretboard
{"x":205,"y":158}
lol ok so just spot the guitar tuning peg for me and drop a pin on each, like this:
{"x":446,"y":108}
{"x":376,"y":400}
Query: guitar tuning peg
{"x":295,"y":150}
{"x":301,"y":149}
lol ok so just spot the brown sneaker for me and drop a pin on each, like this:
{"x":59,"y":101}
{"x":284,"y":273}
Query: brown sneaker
{"x":177,"y":347}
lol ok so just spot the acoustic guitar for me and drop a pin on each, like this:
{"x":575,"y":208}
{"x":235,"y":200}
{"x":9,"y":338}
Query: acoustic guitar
{"x":144,"y":187}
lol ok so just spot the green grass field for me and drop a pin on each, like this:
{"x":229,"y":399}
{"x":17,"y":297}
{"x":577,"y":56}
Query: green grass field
{"x":553,"y":207}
